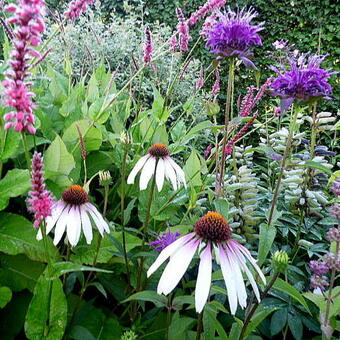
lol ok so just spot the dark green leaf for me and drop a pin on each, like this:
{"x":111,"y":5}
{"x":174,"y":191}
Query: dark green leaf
{"x":267,"y":236}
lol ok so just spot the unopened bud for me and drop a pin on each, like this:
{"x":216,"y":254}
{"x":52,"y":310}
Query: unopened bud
{"x":124,"y":138}
{"x":105,"y":178}
{"x":280,"y":261}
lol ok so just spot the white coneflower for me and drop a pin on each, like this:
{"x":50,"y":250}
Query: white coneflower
{"x":159,"y":163}
{"x":74,"y":213}
{"x":212,"y":231}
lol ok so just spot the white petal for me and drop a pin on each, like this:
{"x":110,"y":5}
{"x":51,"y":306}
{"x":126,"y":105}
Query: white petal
{"x":99,"y":216}
{"x":170,"y":173}
{"x":235,"y":269}
{"x":136,"y":168}
{"x":86,"y":224}
{"x":247,"y":254}
{"x":203,"y":279}
{"x":179,"y":172}
{"x":229,"y":280}
{"x":168,"y":251}
{"x":176,"y":267}
{"x":57,"y":210}
{"x":96,"y":220}
{"x":147,"y":172}
{"x":61,"y":225}
{"x":39,"y":235}
{"x":160,"y":173}
{"x":73,"y":226}
{"x":242,"y":262}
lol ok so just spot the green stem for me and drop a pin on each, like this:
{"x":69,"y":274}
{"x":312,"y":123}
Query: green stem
{"x":27,"y":154}
{"x":283,"y":165}
{"x":228,"y":108}
{"x":199,"y":326}
{"x":255,"y":306}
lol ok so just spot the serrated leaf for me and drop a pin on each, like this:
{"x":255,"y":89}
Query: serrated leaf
{"x":16,"y":182}
{"x":47,"y":313}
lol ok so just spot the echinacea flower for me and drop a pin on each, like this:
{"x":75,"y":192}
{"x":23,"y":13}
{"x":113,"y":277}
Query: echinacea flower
{"x":212,"y":231}
{"x":73,"y":214}
{"x":303,"y":80}
{"x":159,"y":163}
{"x":233,"y":35}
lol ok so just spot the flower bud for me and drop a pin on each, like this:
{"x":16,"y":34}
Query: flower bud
{"x":280,"y":261}
{"x":105,"y":178}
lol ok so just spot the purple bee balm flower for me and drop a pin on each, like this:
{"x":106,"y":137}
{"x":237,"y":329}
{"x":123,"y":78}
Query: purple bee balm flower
{"x":303,"y":80}
{"x":233,"y":35}
{"x":164,"y":240}
{"x":319,"y":267}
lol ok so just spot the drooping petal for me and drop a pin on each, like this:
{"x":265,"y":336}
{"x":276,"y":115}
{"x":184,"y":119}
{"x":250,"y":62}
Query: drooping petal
{"x":99,"y":216}
{"x":57,"y":210}
{"x":61,"y":225}
{"x":170,"y":173}
{"x":240,"y":286}
{"x":228,"y":279}
{"x":179,"y":172}
{"x":203,"y":279}
{"x":86,"y":225}
{"x":147,"y":172}
{"x":177,"y":266}
{"x":95,"y":218}
{"x":136,"y":168}
{"x":73,"y":226}
{"x":160,"y":173}
{"x":168,"y":251}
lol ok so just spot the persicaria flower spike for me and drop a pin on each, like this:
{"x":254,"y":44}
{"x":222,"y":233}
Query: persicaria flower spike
{"x":40,"y":200}
{"x":302,"y":80}
{"x":73,"y":214}
{"x":76,"y":8}
{"x":183,"y":31}
{"x":28,"y":17}
{"x":209,"y":6}
{"x":148,"y":48}
{"x":233,"y":35}
{"x":159,"y":163}
{"x":211,"y":235}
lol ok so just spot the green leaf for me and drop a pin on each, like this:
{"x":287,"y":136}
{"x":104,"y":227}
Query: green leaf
{"x":316,"y":165}
{"x":192,"y":169}
{"x":127,"y":211}
{"x":92,"y":89}
{"x":211,"y":325}
{"x":195,"y":130}
{"x":278,"y":321}
{"x":295,"y":326}
{"x":58,"y":161}
{"x":5,"y":296}
{"x":267,"y":236}
{"x":285,"y":287}
{"x":150,"y":296}
{"x":179,"y":326}
{"x":236,"y":329}
{"x":18,"y":236}
{"x":47,"y":313}
{"x":15,"y":183}
{"x":61,"y":268}
{"x":11,"y":141}
{"x":222,"y":207}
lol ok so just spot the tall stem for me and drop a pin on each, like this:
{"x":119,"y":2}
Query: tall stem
{"x":199,"y":326}
{"x":228,"y":106}
{"x":27,"y":154}
{"x":283,"y":164}
{"x":122,"y":206}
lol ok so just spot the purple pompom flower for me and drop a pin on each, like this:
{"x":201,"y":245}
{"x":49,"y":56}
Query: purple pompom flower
{"x":164,"y":240}
{"x":303,"y":80}
{"x":233,"y":35}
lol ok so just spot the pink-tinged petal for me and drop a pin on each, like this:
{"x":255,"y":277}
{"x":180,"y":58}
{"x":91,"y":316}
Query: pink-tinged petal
{"x":61,"y":225}
{"x":242,"y":262}
{"x":95,"y":219}
{"x":247,"y":254}
{"x":170,"y":173}
{"x":235,"y":268}
{"x":136,"y":168}
{"x":147,"y":172}
{"x":103,"y":223}
{"x":160,"y":173}
{"x":228,"y":276}
{"x":203,"y":279}
{"x":57,"y":210}
{"x":86,"y":225}
{"x":73,"y":226}
{"x":168,"y":251}
{"x":179,"y":172}
{"x":177,"y":266}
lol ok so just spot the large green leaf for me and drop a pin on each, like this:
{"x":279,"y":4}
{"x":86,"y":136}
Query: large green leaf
{"x":278,"y":321}
{"x":11,"y":141}
{"x":5,"y":296}
{"x":285,"y":287}
{"x":179,"y":327}
{"x":192,"y":169}
{"x":150,"y":296}
{"x":47,"y":313}
{"x":58,"y":161}
{"x":16,"y":182}
{"x":18,"y":236}
{"x":267,"y":236}
{"x":211,"y":325}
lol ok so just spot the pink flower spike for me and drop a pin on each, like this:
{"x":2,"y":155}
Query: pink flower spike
{"x":183,"y":31}
{"x":209,"y":6}
{"x":76,"y":8}
{"x":148,"y":48}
